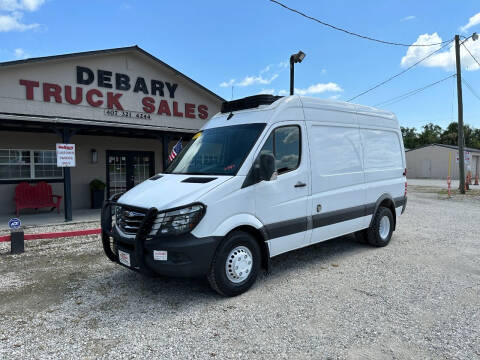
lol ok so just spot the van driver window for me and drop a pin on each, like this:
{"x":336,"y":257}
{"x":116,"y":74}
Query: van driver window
{"x":284,"y":144}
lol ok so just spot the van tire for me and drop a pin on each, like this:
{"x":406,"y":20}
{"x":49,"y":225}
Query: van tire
{"x":380,"y":232}
{"x":217,"y":276}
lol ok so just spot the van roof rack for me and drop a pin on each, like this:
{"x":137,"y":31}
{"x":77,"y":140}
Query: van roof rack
{"x":248,"y":102}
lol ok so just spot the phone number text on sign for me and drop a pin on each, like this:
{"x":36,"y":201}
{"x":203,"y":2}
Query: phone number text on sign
{"x":127,"y":114}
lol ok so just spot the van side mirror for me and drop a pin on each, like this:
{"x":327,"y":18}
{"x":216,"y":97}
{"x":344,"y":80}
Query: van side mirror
{"x":266,"y":167}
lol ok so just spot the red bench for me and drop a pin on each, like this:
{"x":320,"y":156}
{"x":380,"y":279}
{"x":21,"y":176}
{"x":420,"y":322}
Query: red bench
{"x":35,"y":196}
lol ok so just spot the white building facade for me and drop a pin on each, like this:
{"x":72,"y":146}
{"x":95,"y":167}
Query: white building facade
{"x":123,"y":109}
{"x":432,"y":162}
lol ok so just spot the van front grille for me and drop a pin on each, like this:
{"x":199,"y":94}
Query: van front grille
{"x":129,"y":220}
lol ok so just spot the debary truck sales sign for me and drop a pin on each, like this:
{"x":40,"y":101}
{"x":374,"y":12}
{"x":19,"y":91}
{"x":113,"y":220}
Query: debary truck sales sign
{"x":127,"y":88}
{"x":116,"y":84}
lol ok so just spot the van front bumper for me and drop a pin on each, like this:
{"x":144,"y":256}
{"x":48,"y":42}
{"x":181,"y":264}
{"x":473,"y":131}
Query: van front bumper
{"x":186,"y":255}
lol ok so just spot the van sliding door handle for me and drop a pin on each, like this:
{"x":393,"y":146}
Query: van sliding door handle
{"x":300,"y":184}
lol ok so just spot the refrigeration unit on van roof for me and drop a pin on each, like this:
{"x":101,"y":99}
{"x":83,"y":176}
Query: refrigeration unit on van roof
{"x":249,"y":102}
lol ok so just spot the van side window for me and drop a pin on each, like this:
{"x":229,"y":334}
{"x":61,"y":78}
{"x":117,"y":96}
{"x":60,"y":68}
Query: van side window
{"x":284,"y":144}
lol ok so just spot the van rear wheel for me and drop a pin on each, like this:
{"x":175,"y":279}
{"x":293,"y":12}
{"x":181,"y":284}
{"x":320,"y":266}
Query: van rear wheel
{"x":380,"y":232}
{"x":235,"y":265}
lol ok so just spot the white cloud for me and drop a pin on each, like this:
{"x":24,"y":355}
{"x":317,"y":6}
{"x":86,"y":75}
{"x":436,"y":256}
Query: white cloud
{"x":283,"y":64}
{"x":408,"y":18}
{"x":319,"y":88}
{"x":20,"y":54}
{"x":266,"y":69}
{"x":323,"y":71}
{"x":334,"y":97}
{"x":13,"y":22}
{"x":251,"y":80}
{"x":474,"y":20}
{"x":315,"y":89}
{"x":267,"y":91}
{"x":227,"y":83}
{"x":14,"y":5}
{"x":444,"y":59}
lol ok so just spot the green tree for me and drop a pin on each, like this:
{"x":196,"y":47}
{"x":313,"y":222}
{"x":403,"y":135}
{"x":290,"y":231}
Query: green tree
{"x":410,"y":137}
{"x":450,"y":135}
{"x":476,"y":138}
{"x":431,"y":134}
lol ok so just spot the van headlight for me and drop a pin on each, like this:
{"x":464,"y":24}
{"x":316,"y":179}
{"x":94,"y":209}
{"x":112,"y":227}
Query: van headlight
{"x":178,"y":221}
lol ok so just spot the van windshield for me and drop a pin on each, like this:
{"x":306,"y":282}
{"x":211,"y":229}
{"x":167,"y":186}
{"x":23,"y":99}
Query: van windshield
{"x":217,"y":151}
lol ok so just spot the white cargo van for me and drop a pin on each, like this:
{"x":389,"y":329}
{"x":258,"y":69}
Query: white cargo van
{"x":265,"y":176}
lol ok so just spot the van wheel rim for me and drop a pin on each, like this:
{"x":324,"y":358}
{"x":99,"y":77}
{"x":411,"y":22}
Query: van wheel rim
{"x":239,"y":264}
{"x":384,"y":228}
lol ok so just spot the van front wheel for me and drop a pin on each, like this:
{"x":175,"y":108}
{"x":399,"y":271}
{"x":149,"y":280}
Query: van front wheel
{"x":235,"y":265}
{"x":380,"y":233}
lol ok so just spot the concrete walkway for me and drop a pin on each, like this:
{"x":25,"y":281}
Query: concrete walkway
{"x":52,"y":218}
{"x":440,"y":183}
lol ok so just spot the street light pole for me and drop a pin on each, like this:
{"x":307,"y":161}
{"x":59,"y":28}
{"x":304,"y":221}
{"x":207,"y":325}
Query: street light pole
{"x":295,"y":58}
{"x":461,"y":141}
{"x":292,"y":75}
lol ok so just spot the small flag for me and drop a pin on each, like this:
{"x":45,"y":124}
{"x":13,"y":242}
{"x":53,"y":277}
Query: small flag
{"x":176,"y":150}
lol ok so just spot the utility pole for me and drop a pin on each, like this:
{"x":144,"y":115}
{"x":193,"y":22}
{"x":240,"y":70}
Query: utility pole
{"x":461,"y":141}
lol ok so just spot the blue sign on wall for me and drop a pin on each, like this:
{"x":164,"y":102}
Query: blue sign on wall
{"x":14,"y":223}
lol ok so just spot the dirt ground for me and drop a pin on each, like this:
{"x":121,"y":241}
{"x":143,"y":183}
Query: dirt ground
{"x":419,"y":297}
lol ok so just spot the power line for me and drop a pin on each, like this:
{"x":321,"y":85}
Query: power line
{"x":397,"y":75}
{"x":470,"y":88}
{"x":465,"y":46}
{"x":351,"y":32}
{"x":412,"y":92}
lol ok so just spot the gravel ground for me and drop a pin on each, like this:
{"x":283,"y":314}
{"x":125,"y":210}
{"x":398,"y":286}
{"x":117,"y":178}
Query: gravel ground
{"x":419,"y":297}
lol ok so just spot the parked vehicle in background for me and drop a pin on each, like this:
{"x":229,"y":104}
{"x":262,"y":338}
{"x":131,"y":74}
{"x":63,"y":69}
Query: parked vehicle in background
{"x":265,"y":176}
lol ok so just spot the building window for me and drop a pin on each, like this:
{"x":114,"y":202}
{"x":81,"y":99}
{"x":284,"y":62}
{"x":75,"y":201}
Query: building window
{"x":19,"y":164}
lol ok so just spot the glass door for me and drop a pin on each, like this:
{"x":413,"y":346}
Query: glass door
{"x":125,"y":169}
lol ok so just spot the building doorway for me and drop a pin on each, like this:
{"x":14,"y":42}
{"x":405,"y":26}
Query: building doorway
{"x":427,"y":168}
{"x":125,"y":169}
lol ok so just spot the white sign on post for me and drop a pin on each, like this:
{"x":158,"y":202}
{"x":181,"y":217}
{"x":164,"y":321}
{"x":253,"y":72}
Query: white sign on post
{"x":66,"y":155}
{"x":466,"y":156}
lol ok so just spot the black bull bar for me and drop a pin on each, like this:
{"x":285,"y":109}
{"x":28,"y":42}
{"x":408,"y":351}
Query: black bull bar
{"x":140,"y":237}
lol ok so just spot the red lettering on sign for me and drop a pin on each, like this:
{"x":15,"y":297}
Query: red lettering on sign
{"x":203,"y":112}
{"x":112,"y":99}
{"x":50,"y":90}
{"x":190,"y":110}
{"x":29,"y":85}
{"x":89,"y":96}
{"x":148,"y":104}
{"x":163,"y":108}
{"x":74,"y":95}
{"x":175,"y":110}
{"x":68,"y":95}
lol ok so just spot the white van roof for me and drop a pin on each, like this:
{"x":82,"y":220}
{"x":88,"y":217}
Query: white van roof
{"x":308,"y":109}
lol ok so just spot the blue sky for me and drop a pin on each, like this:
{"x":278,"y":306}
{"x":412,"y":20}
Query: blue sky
{"x":248,"y":43}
